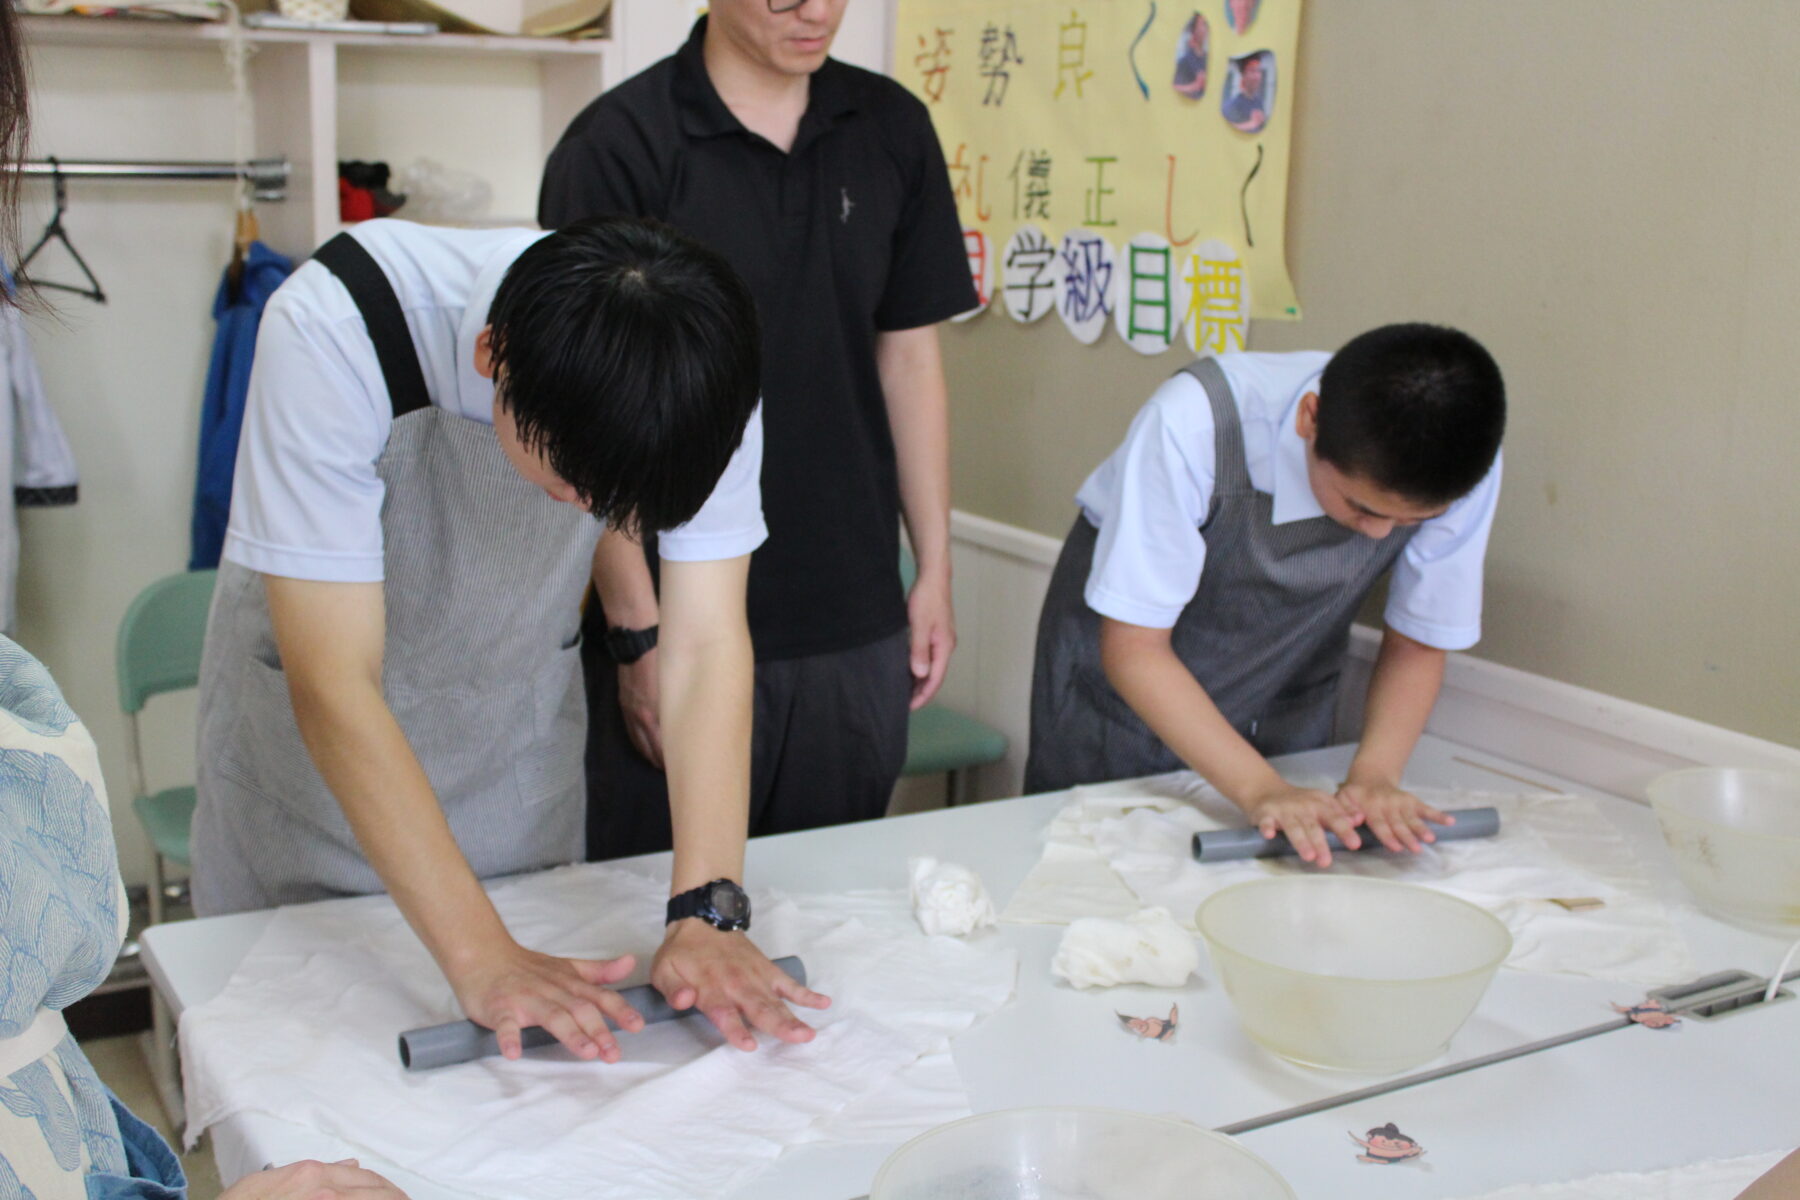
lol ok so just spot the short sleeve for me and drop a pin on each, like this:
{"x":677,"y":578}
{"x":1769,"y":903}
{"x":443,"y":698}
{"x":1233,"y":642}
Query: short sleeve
{"x":602,"y":165}
{"x":1435,"y":595}
{"x":730,"y":523}
{"x":928,"y":280}
{"x":306,"y":499}
{"x":1154,"y":493}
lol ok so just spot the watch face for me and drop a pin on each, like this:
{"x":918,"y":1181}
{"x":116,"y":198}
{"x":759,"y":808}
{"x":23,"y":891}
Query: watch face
{"x":730,"y":902}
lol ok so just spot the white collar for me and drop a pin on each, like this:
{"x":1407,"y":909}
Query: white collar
{"x":1293,"y":495}
{"x":474,"y":392}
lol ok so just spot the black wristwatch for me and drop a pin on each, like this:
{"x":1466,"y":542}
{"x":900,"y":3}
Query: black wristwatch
{"x":721,"y":904}
{"x":626,"y":646}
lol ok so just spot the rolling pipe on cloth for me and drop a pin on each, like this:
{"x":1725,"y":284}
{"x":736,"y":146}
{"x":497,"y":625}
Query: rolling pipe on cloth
{"x":1226,"y":844}
{"x":464,"y":1041}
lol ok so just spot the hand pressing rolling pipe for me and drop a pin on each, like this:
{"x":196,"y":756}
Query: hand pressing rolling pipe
{"x":1223,"y":845}
{"x":464,"y":1041}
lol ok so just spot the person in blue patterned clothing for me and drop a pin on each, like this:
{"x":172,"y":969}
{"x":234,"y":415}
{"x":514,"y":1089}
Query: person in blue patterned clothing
{"x":62,"y":918}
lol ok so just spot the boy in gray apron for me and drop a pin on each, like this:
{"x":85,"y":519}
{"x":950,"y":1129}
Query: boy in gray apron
{"x":1200,"y":612}
{"x":390,"y":696}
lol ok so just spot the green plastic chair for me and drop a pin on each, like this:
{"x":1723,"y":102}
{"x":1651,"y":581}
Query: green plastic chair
{"x":943,"y":741}
{"x":159,"y":651}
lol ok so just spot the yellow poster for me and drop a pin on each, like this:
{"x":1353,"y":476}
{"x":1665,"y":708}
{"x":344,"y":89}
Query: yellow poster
{"x":1122,"y":163}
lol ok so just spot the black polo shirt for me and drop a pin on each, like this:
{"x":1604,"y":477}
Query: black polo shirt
{"x":852,"y":232}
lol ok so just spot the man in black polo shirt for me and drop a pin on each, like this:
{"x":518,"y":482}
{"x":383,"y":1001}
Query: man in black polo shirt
{"x":825,"y":187}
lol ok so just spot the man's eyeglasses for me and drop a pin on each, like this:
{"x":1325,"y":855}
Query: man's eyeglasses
{"x":781,"y":6}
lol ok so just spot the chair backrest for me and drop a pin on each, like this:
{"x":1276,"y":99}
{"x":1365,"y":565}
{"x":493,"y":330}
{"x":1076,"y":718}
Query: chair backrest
{"x":161,"y":636}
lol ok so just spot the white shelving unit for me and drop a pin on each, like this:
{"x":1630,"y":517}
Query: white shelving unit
{"x":294,"y":82}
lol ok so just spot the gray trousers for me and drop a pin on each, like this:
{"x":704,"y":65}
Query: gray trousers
{"x":827,"y":744}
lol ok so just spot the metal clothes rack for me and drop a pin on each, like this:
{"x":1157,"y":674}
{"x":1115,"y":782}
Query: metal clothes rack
{"x":267,"y":176}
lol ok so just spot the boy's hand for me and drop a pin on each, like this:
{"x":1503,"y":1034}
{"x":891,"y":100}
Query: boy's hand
{"x":1304,"y":814}
{"x":728,"y":979}
{"x":509,"y":988}
{"x":1395,"y":816}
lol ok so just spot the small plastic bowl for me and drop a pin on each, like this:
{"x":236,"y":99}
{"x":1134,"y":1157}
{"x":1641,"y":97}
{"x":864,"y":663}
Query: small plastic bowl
{"x":1351,"y":974}
{"x":1735,"y":835}
{"x":1026,"y":1153}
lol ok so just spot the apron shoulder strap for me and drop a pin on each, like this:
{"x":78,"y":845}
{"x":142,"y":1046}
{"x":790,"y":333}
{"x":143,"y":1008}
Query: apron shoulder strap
{"x":368,"y":285}
{"x":1231,"y":472}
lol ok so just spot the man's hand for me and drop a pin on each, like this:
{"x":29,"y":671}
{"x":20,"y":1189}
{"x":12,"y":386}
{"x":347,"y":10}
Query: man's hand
{"x":933,"y":622}
{"x":1397,"y":817}
{"x":638,"y":699}
{"x":311,"y":1180}
{"x":508,"y":988}
{"x":1304,"y":814}
{"x":728,"y":979}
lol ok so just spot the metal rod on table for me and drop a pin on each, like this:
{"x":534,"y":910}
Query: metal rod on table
{"x":1456,"y":1068}
{"x":269,"y":176}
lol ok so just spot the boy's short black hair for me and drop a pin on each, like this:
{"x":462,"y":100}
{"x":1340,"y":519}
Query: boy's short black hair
{"x":630,"y":356}
{"x":1416,"y":409}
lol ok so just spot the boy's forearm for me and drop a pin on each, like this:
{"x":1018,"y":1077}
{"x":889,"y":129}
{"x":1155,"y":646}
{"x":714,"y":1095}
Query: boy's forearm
{"x":331,"y":637}
{"x":366,"y":761}
{"x":1143,"y":668}
{"x":1402,"y":689}
{"x":622,"y":578}
{"x":707,"y":675}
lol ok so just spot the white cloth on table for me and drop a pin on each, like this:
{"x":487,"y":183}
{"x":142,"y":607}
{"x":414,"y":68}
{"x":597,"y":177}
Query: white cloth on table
{"x":1149,"y":947}
{"x":1549,"y":846}
{"x":305,"y":1031}
{"x":948,"y":898}
{"x":1718,"y":1179}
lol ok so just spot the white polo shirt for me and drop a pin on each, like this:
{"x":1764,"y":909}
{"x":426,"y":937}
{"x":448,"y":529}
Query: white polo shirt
{"x":1149,"y":498}
{"x":306,"y":500}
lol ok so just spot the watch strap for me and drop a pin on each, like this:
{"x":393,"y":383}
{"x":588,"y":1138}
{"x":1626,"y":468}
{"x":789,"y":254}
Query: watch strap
{"x":626,"y":646}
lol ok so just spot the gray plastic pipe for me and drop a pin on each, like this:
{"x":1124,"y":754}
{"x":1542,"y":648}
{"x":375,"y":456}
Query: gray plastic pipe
{"x":465,"y":1041}
{"x":1226,"y":844}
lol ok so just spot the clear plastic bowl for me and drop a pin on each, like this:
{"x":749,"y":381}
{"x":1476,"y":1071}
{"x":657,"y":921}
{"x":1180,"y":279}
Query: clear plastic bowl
{"x":1075,"y":1154}
{"x":1735,"y":834}
{"x":1351,"y":974}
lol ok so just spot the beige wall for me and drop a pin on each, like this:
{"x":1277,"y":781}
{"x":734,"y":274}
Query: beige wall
{"x":1607,"y":194}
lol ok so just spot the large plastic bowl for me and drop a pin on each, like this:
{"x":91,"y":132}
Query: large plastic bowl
{"x":1075,"y":1154}
{"x":1735,"y":834}
{"x":1351,"y":974}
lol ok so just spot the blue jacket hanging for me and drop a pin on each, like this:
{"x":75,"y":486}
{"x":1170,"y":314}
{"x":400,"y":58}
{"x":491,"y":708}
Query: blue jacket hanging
{"x":227,"y":383}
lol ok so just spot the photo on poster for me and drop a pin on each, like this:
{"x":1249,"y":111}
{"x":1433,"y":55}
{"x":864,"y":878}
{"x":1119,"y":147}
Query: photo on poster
{"x":1241,"y":14}
{"x":1191,"y":50}
{"x":1248,"y":97}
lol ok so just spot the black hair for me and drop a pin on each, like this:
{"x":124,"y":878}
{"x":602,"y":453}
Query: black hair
{"x":1390,"y":1131}
{"x":1416,"y":409}
{"x":629,"y":355}
{"x":14,"y":133}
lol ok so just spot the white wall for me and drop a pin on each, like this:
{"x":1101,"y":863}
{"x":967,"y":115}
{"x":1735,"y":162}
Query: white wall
{"x":125,"y":378}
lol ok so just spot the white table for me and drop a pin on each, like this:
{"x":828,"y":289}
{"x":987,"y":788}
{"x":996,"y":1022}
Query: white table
{"x":1636,"y":1099}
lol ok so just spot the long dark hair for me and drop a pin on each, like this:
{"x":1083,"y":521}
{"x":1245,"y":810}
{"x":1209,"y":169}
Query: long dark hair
{"x":15,"y":130}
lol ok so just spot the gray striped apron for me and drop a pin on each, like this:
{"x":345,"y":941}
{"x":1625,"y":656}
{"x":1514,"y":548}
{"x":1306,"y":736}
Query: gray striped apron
{"x":1266,"y":632}
{"x":483,"y":580}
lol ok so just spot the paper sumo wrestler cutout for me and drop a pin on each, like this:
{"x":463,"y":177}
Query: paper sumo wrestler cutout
{"x":1650,"y":1014}
{"x":1153,"y":1029}
{"x":1386,"y":1145}
{"x":1248,"y":97}
{"x":1190,"y":58}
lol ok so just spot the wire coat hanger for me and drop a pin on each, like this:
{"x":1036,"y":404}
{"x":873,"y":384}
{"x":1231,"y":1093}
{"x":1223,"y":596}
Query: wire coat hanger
{"x":54,"y":232}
